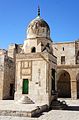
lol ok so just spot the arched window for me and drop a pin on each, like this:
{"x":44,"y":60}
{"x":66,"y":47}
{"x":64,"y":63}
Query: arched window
{"x":33,"y":49}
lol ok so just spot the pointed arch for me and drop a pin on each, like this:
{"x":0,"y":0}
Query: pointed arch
{"x":63,"y":84}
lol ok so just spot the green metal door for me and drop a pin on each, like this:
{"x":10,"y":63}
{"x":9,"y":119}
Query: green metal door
{"x":25,"y":86}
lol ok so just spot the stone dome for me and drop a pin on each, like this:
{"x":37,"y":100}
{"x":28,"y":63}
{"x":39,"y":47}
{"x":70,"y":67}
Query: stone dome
{"x":38,"y":28}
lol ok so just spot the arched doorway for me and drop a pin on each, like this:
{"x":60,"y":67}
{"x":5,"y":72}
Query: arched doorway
{"x":77,"y":78}
{"x":64,"y":85}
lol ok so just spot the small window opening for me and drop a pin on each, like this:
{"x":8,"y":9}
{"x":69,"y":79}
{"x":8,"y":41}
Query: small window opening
{"x":63,"y":48}
{"x":62,"y":59}
{"x":33,"y":50}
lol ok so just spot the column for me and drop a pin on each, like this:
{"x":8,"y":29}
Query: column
{"x":73,"y":89}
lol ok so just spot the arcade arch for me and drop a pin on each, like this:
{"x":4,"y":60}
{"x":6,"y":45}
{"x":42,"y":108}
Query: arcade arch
{"x":64,"y":84}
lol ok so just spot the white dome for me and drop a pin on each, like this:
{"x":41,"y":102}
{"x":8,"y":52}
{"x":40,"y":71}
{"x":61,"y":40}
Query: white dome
{"x":38,"y":28}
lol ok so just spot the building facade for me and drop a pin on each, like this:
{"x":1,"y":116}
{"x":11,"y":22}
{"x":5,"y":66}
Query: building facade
{"x":67,"y":69}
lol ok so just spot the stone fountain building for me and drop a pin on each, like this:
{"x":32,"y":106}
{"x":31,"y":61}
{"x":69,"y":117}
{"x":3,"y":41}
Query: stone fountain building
{"x":35,"y":65}
{"x":33,"y":71}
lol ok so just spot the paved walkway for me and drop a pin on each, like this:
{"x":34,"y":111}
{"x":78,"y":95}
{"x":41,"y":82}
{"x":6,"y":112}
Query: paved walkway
{"x":53,"y":114}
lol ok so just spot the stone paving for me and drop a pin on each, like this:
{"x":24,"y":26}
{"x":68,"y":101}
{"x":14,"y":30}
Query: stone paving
{"x":53,"y":114}
{"x":12,"y":105}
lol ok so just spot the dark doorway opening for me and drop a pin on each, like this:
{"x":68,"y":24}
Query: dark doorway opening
{"x":12,"y":91}
{"x":33,"y":49}
{"x":53,"y":79}
{"x":64,"y":85}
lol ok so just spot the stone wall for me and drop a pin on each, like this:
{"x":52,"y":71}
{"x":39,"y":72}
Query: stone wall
{"x":9,"y":77}
{"x":36,"y":67}
{"x":3,"y":54}
{"x":13,"y":50}
{"x":67,"y":50}
{"x":41,"y":45}
{"x":1,"y":75}
{"x":7,"y":74}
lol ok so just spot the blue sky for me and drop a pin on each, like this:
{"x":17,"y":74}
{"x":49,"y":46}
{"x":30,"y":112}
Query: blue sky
{"x":61,"y":15}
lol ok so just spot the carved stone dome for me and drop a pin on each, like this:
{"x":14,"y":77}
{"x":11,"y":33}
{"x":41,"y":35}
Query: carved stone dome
{"x":38,"y":28}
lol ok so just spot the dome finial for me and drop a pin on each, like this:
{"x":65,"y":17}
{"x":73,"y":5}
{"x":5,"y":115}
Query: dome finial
{"x":38,"y":10}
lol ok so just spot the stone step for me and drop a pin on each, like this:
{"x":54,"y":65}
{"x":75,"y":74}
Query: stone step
{"x":26,"y":100}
